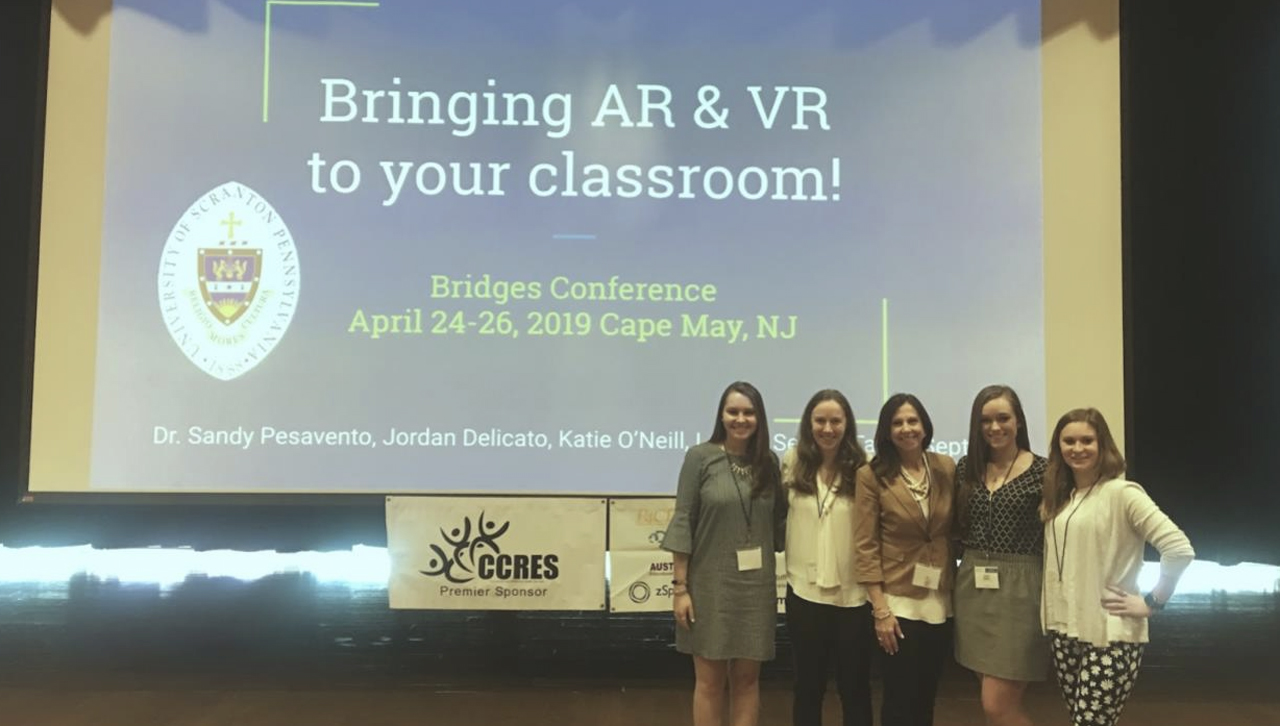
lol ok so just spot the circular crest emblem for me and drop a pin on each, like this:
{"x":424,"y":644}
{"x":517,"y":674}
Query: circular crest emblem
{"x":228,"y":281}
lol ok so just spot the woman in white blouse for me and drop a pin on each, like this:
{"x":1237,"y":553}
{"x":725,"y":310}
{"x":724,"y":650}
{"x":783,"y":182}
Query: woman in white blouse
{"x":828,"y":617}
{"x":1096,"y":524}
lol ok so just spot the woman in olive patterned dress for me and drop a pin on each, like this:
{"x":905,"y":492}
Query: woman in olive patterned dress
{"x":728,"y":521}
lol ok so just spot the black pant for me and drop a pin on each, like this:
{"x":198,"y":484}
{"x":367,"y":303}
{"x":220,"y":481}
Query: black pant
{"x":911,"y":676}
{"x":819,"y":633}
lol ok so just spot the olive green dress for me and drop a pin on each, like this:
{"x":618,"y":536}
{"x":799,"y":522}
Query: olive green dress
{"x":735,"y":612}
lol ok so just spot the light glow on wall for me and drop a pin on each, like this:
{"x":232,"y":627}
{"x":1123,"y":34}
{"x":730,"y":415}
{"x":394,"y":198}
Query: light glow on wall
{"x":364,"y":567}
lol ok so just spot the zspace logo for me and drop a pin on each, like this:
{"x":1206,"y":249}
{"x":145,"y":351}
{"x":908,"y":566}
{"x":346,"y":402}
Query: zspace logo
{"x":471,"y":551}
{"x":639,"y":592}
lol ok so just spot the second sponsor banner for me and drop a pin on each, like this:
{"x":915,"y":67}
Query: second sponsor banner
{"x":639,"y":524}
{"x":488,"y":553}
{"x":640,"y":571}
{"x":640,"y":582}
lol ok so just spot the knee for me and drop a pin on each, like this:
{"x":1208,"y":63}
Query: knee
{"x":999,"y":710}
{"x":710,"y":685}
{"x":745,"y":680}
{"x":995,"y":712}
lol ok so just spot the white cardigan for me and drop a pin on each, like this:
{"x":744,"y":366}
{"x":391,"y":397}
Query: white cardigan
{"x":1102,"y":546}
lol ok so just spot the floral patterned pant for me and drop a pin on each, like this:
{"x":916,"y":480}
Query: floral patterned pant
{"x":1095,"y":681}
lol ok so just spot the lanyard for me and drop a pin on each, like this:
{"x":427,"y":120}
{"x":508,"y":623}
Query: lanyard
{"x":1061,"y":557}
{"x":822,"y":505}
{"x":746,"y":507}
{"x":991,"y":501}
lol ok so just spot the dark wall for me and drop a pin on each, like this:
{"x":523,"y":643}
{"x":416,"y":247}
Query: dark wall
{"x":22,"y":32}
{"x":1202,"y":234}
{"x":1201,"y":111}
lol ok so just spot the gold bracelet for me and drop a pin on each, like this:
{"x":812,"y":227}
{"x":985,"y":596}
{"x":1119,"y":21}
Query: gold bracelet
{"x":882,"y":614}
{"x":681,"y":591}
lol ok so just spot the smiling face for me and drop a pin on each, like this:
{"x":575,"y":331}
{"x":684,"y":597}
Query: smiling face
{"x":829,"y":424}
{"x":999,"y":424}
{"x":739,"y":419}
{"x":1078,"y":443}
{"x":906,"y":430}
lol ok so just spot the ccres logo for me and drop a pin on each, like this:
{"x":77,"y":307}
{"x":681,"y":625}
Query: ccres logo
{"x":228,"y":281}
{"x":471,"y":551}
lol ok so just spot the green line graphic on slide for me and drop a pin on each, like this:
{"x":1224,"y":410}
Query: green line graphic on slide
{"x":266,"y":37}
{"x":884,"y":364}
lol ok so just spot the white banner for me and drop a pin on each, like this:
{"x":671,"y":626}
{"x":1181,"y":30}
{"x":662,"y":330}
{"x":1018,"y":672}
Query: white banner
{"x":496,"y":553}
{"x":640,"y":582}
{"x":639,"y":524}
{"x":640,"y":571}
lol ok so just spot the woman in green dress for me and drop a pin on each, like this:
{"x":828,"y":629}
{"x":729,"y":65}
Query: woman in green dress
{"x":728,"y":522}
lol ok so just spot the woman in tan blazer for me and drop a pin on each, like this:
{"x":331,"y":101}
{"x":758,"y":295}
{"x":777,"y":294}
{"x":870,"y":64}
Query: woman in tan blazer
{"x":903,"y":514}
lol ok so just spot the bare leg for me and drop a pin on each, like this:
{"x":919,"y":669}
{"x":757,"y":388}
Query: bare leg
{"x":710,"y":677}
{"x":1002,"y":702}
{"x":744,"y":692}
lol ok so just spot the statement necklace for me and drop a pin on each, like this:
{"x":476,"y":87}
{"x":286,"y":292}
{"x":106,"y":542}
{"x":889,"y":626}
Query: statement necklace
{"x":919,"y":489}
{"x":742,"y":470}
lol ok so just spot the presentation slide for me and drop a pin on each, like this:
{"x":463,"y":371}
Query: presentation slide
{"x":521,"y":247}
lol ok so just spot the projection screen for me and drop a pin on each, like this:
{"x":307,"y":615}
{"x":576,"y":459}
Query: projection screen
{"x":509,"y":247}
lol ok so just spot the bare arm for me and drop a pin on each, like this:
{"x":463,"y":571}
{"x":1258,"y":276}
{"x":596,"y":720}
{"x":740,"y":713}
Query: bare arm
{"x":681,"y":600}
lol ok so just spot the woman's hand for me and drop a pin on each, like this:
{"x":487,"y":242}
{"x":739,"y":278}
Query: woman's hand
{"x":1125,"y":604}
{"x":888,"y":632}
{"x":682,"y":604}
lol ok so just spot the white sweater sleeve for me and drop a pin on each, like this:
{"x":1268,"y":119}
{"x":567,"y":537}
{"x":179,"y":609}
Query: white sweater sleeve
{"x":1154,"y":526}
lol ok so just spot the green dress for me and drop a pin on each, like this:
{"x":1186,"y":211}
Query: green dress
{"x":735,"y":612}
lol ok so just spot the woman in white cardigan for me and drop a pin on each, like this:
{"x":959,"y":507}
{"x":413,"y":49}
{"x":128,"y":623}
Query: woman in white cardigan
{"x":1096,"y":524}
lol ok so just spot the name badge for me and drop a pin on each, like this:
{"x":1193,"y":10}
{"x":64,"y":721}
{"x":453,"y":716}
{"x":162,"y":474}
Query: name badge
{"x":750,"y":558}
{"x":987,"y":578}
{"x":927,"y":576}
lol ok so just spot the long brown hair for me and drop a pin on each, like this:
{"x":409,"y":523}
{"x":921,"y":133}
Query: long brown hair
{"x":849,"y":456}
{"x":975,"y":469}
{"x":1059,"y":479}
{"x":887,"y":463}
{"x":764,"y":465}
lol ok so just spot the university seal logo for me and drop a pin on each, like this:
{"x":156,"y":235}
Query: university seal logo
{"x":228,"y":281}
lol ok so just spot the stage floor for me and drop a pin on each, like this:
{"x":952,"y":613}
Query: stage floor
{"x":288,"y":651}
{"x":1158,"y":701}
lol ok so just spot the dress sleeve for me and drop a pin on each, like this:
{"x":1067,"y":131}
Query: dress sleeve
{"x":1155,"y":527}
{"x":866,"y":528}
{"x":684,"y":521}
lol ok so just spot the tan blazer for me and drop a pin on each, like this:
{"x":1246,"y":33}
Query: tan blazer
{"x":891,"y":534}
